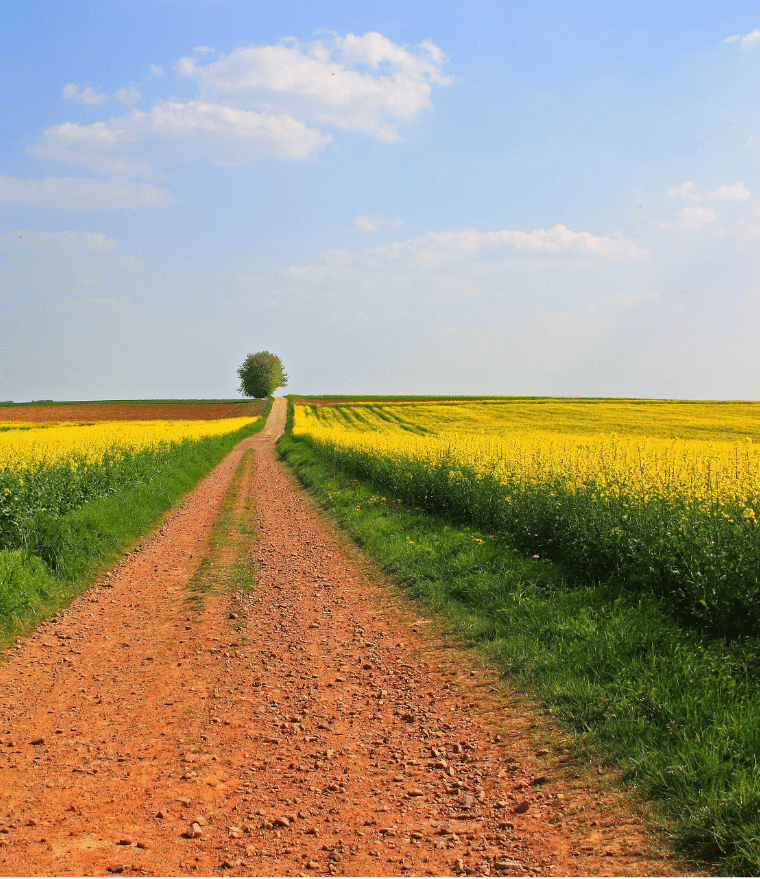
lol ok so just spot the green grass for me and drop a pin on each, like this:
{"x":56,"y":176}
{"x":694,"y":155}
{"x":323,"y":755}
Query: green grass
{"x":58,"y":551}
{"x":677,"y":713}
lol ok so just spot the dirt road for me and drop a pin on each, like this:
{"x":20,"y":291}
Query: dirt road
{"x":310,"y":725}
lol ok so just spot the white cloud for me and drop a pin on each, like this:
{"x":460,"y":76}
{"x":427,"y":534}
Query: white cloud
{"x":366,"y":83}
{"x":694,"y":218}
{"x":685,"y":190}
{"x":746,"y":40}
{"x":80,"y":194}
{"x":128,"y":95}
{"x":368,"y":223}
{"x":84,"y":95}
{"x":258,"y":102}
{"x":157,"y":70}
{"x":436,"y":250}
{"x":437,"y":247}
{"x":225,"y":136}
{"x":737,"y":192}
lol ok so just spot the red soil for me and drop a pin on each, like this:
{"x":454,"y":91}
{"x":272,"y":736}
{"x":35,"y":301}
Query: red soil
{"x":313,"y":725}
{"x":131,"y":411}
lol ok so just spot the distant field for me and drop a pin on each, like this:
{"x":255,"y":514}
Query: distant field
{"x":148,"y":410}
{"x":708,"y":420}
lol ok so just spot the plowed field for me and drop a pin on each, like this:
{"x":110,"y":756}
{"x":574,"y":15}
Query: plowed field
{"x":130,"y":411}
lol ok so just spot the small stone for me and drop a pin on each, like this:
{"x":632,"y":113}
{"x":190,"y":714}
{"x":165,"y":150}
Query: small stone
{"x":199,"y":819}
{"x":162,"y":813}
{"x":142,"y":845}
{"x":467,"y":801}
{"x":282,"y":821}
{"x":194,"y":831}
{"x":31,"y":822}
{"x":124,"y":841}
{"x":416,"y":834}
{"x":312,"y":865}
{"x":414,"y":792}
{"x":541,"y":779}
{"x":508,"y":865}
{"x":542,"y":752}
{"x":38,"y":741}
{"x":226,"y":865}
{"x":522,"y":808}
{"x":117,"y":868}
{"x":459,"y":865}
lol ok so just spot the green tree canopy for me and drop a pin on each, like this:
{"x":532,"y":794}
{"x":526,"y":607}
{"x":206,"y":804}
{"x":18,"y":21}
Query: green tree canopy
{"x":261,"y":374}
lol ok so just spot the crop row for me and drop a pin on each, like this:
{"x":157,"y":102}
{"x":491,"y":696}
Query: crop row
{"x":685,"y":534}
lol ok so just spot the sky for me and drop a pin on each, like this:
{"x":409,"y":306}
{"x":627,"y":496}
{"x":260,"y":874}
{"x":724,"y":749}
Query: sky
{"x":395,"y":198}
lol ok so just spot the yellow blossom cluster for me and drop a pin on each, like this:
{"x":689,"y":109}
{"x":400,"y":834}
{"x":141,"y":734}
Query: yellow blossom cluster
{"x":503,"y":441}
{"x":31,"y":445}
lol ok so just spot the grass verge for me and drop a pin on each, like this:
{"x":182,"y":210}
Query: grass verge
{"x":678,"y":714}
{"x":65,"y":555}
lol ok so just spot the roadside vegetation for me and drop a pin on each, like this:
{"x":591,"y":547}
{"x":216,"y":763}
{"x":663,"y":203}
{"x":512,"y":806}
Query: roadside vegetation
{"x":72,"y":499}
{"x":630,"y":613}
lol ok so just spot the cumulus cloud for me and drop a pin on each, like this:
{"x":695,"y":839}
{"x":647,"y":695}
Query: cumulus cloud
{"x":129,"y":95}
{"x":358,"y":83}
{"x":258,"y":102}
{"x":86,"y":95}
{"x":224,"y":135}
{"x":436,"y":250}
{"x":368,"y":223}
{"x":736,"y":192}
{"x":441,"y":247}
{"x":694,"y":218}
{"x":746,"y":40}
{"x":685,"y":190}
{"x":80,"y":194}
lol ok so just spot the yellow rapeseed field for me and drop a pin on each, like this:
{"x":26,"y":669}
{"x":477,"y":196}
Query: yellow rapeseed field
{"x":31,"y":445}
{"x":645,"y":450}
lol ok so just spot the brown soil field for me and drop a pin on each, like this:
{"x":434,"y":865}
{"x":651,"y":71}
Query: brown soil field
{"x":243,"y":695}
{"x":80,"y":412}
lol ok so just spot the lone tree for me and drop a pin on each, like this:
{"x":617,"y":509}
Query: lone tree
{"x":261,"y":374}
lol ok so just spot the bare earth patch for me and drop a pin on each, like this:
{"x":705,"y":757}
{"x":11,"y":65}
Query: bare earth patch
{"x":311,"y":725}
{"x":78,"y":412}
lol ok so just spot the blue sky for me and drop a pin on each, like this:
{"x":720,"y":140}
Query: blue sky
{"x":481,"y":198}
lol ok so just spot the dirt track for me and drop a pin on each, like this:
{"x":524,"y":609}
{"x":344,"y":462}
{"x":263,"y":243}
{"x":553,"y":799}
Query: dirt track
{"x":321,"y":729}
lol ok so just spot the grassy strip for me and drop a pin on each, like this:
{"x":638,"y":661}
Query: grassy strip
{"x":676,"y":714}
{"x":64,"y":556}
